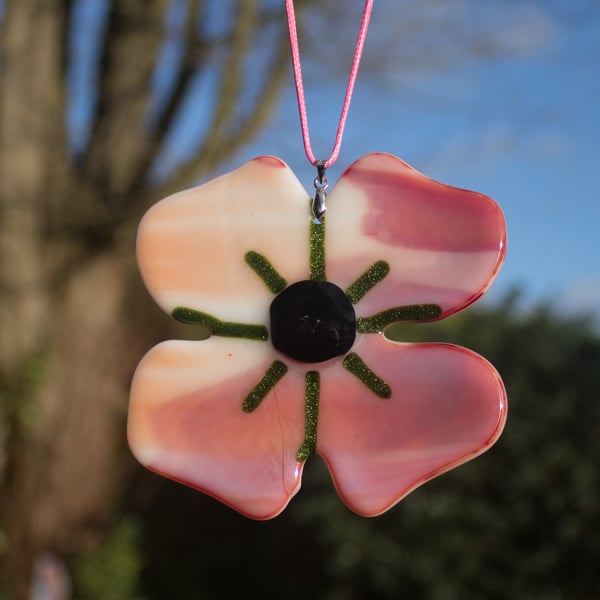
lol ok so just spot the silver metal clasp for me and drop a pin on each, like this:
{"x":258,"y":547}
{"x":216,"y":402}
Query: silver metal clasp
{"x":319,"y":208}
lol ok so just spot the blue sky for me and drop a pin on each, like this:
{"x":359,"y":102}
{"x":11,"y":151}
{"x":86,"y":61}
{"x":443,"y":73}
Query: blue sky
{"x":521,"y":125}
{"x":524,"y":129}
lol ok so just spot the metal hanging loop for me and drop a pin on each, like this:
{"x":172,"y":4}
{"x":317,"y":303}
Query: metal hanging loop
{"x":319,"y":207}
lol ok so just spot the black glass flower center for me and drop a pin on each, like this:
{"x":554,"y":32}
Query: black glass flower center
{"x":312,"y":321}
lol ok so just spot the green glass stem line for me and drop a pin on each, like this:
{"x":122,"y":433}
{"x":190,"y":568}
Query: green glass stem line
{"x":247,"y":331}
{"x":317,"y":251}
{"x":270,"y":379}
{"x":369,"y":279}
{"x":311,"y":416}
{"x":355,"y":364}
{"x":411,"y":312}
{"x":266,"y":271}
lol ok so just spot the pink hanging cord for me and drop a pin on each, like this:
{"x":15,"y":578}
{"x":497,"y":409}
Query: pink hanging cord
{"x":360,"y":43}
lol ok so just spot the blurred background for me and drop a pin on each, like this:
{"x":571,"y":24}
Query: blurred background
{"x":108,"y":105}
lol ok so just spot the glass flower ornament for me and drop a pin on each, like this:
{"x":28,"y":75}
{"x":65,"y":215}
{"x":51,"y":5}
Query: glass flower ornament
{"x":297,"y":360}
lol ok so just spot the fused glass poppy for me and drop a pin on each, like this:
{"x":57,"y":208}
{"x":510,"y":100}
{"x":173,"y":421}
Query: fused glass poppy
{"x":297,"y":361}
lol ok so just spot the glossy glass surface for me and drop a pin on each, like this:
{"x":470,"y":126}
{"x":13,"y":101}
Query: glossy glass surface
{"x":390,"y":415}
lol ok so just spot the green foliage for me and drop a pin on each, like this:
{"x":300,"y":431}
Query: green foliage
{"x":519,"y":522}
{"x":111,"y":571}
{"x":18,"y":390}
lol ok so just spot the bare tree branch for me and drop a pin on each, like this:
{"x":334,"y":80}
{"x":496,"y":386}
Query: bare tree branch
{"x":219,"y":144}
{"x":132,"y":43}
{"x":195,"y":50}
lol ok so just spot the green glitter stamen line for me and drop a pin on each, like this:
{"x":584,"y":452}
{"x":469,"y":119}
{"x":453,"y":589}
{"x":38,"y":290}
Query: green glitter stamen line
{"x":266,"y":271}
{"x":317,"y":251}
{"x":311,"y":416}
{"x":369,"y":279}
{"x":411,"y":312}
{"x":270,"y":379}
{"x":221,"y":328}
{"x":355,"y":364}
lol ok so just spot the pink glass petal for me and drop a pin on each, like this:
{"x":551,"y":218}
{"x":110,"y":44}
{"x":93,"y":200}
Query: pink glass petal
{"x":186,"y":422}
{"x":448,"y":405}
{"x":191,"y":245}
{"x":445,"y":245}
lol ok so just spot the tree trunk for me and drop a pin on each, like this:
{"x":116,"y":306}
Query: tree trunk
{"x":74,"y":317}
{"x":66,"y":472}
{"x":65,"y":357}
